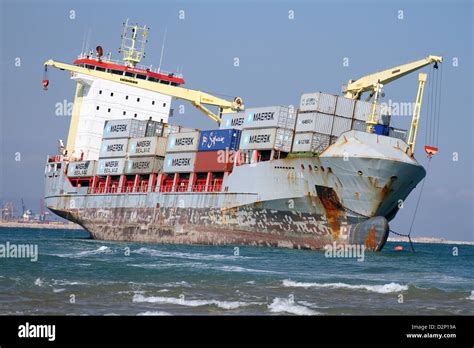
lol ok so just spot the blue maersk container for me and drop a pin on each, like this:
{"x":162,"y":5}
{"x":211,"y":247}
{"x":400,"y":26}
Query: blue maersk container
{"x":219,"y":139}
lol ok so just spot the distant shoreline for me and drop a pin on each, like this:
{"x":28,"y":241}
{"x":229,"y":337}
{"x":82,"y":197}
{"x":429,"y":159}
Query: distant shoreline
{"x":72,"y":226}
{"x":428,"y":240}
{"x":48,"y":225}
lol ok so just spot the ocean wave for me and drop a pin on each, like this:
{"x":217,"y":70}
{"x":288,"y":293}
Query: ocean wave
{"x":101,"y":250}
{"x":190,"y":256}
{"x":153,"y":313}
{"x":58,"y":290}
{"x":242,"y":269}
{"x":471,"y":297}
{"x":284,"y":305}
{"x":67,"y":282}
{"x":381,"y":289}
{"x":191,"y":303}
{"x":39,"y":282}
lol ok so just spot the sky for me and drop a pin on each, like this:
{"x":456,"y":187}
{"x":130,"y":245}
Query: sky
{"x":284,"y":48}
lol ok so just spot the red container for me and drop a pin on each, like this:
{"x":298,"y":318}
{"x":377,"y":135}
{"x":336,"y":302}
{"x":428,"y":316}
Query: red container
{"x":214,"y":161}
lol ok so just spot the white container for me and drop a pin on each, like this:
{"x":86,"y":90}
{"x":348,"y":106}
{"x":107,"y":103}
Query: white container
{"x":359,"y":126}
{"x":179,"y":162}
{"x":144,"y":165}
{"x":124,"y":128}
{"x":233,"y":121}
{"x":341,"y":125}
{"x":309,"y":101}
{"x":113,"y":166}
{"x":267,"y":139}
{"x":327,"y":103}
{"x":183,"y":142}
{"x":111,"y":148}
{"x":363,"y":110}
{"x":345,"y":107}
{"x":147,"y":146}
{"x":81,"y":169}
{"x":314,"y":122}
{"x":397,"y":133}
{"x":310,"y":142}
{"x":269,"y":117}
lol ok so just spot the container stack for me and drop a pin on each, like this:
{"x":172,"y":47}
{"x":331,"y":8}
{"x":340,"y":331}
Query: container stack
{"x":181,"y":151}
{"x":216,"y":150}
{"x":323,"y":117}
{"x":146,"y":155}
{"x":268,"y":128}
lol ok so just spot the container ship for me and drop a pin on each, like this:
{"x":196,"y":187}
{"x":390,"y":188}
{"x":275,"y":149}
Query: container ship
{"x":332,"y":170}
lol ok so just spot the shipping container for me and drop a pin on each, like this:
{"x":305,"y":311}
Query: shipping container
{"x":359,"y":125}
{"x":219,"y":139}
{"x":235,"y":121}
{"x":110,"y":166}
{"x":341,"y":125}
{"x":327,"y":103}
{"x":81,"y":169}
{"x":125,"y":128}
{"x":363,"y":110}
{"x":179,"y":162}
{"x":154,"y":129}
{"x":183,"y":142}
{"x":310,"y":142}
{"x":144,"y":165}
{"x":147,"y":146}
{"x":345,"y":107}
{"x":113,"y":148}
{"x":314,"y":122}
{"x":214,"y":161}
{"x":267,"y":139}
{"x":171,"y":129}
{"x":397,"y":133}
{"x":269,"y":117}
{"x":309,"y":102}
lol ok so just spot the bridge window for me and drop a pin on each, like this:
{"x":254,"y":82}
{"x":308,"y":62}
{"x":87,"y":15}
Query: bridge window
{"x":100,"y":92}
{"x":152,"y":102}
{"x":108,"y":110}
{"x":97,"y":107}
{"x":126,"y":97}
{"x":112,"y":94}
{"x":164,"y":105}
{"x":124,"y":113}
{"x":116,"y":72}
{"x":138,"y":99}
{"x":141,"y":77}
{"x":129,"y":74}
{"x":99,"y":68}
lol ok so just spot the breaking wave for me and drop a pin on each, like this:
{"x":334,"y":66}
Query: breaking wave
{"x":101,"y":250}
{"x":153,"y":313}
{"x":190,"y":256}
{"x":284,"y":305}
{"x":381,"y":289}
{"x":191,"y":303}
{"x":471,"y":297}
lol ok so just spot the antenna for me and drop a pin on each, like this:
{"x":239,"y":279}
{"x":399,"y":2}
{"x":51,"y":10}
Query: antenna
{"x":162,"y":49}
{"x":134,"y":39}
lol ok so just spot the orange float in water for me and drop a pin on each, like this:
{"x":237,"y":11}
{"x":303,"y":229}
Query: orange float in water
{"x":398,"y":248}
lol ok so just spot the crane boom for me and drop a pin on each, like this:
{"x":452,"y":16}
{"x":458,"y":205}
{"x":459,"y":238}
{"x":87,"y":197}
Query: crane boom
{"x":354,"y":89}
{"x":197,"y":98}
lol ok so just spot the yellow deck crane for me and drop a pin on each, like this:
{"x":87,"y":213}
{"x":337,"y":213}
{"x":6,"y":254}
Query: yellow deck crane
{"x":373,"y":83}
{"x":197,"y":98}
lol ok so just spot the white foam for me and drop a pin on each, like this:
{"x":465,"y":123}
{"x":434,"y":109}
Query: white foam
{"x":153,"y":313}
{"x":381,"y":289}
{"x":241,"y":269}
{"x":284,"y":305}
{"x":39,"y":282}
{"x":191,"y":303}
{"x":471,"y":297}
{"x":67,"y":282}
{"x":191,"y":256}
{"x":58,"y":290}
{"x":101,"y":250}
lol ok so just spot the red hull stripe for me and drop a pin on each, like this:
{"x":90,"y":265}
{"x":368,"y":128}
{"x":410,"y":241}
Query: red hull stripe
{"x":132,"y":70}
